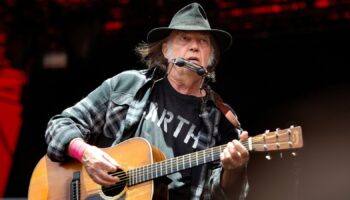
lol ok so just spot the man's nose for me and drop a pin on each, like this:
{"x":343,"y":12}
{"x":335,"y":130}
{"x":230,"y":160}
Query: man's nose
{"x":194,"y":45}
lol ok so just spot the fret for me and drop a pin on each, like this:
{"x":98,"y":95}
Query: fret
{"x":177,"y":163}
{"x":141,"y":174}
{"x":171,"y":165}
{"x":166,"y":166}
{"x":146,"y":173}
{"x":201,"y":157}
{"x":132,"y":176}
{"x":212,"y":154}
{"x":183,"y":162}
{"x":207,"y":156}
{"x":156,"y":169}
{"x":150,"y":172}
{"x":153,"y":172}
{"x":135,"y":176}
{"x":129,"y":172}
{"x":205,"y":160}
{"x":197,"y":158}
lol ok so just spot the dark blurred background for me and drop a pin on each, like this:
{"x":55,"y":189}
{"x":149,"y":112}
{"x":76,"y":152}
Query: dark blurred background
{"x":287,"y":66}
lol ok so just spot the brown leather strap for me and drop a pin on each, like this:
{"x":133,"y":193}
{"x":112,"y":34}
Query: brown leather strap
{"x":227,"y":111}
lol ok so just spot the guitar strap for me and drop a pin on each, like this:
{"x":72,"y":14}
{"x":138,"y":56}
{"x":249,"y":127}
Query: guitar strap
{"x":227,"y":111}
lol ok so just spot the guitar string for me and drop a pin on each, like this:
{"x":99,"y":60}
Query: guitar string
{"x":124,"y":178}
{"x":150,"y":168}
{"x":123,"y":181}
{"x":217,"y":148}
{"x":160,"y":165}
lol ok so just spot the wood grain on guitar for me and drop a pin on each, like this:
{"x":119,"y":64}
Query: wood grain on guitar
{"x":141,"y":166}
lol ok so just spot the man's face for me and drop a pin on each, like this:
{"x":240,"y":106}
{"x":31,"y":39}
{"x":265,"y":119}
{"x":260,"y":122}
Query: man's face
{"x":194,"y":46}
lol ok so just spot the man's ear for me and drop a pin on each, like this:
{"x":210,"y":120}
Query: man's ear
{"x":165,"y":49}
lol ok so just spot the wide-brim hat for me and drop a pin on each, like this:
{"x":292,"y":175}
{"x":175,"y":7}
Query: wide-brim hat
{"x":191,"y":18}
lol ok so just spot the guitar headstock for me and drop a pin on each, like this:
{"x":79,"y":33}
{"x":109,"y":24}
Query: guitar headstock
{"x":290,"y":138}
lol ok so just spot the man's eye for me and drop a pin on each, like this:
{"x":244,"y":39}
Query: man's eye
{"x":204,"y":42}
{"x":184,"y":38}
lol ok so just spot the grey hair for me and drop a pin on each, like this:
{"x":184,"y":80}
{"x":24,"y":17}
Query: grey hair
{"x":151,"y":55}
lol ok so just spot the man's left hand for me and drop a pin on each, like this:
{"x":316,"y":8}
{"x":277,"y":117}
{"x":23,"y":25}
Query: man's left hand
{"x":235,"y":155}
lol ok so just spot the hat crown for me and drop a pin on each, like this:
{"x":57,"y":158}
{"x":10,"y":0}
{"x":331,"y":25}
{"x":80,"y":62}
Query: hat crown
{"x":190,"y":17}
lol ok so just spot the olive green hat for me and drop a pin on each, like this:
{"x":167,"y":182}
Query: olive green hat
{"x":191,"y":18}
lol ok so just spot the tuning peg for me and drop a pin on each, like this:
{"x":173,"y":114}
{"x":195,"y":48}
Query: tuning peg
{"x":281,"y":154}
{"x":268,"y":156}
{"x":294,"y":154}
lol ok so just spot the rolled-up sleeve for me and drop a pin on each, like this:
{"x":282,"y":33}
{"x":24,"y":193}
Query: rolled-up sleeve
{"x":217,"y":193}
{"x":84,"y":118}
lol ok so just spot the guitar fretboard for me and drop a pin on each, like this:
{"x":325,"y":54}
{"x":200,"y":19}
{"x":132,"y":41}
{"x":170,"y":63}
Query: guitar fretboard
{"x":173,"y":165}
{"x":269,"y":141}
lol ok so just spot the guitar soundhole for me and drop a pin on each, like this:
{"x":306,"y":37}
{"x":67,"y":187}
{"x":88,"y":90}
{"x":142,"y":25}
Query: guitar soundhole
{"x":118,"y":187}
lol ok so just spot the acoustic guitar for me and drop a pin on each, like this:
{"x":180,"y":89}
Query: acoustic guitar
{"x":142,"y":165}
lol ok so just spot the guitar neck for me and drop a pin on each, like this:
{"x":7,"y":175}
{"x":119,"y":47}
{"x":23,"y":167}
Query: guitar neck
{"x":269,"y":141}
{"x":173,"y":165}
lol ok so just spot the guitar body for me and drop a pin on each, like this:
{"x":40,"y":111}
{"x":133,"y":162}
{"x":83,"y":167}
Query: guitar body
{"x":52,"y":180}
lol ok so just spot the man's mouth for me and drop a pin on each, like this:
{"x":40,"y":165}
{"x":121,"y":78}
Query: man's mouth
{"x":194,"y":60}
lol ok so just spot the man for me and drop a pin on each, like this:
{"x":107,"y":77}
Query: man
{"x":170,"y":106}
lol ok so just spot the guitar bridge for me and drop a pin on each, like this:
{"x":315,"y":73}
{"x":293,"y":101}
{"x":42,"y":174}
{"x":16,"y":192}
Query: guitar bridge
{"x":75,"y":186}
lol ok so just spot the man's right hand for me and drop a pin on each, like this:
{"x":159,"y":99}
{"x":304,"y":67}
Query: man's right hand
{"x":98,"y":163}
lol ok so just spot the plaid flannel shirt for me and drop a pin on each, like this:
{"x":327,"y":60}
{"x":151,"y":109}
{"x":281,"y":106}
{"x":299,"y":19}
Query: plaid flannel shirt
{"x":108,"y":115}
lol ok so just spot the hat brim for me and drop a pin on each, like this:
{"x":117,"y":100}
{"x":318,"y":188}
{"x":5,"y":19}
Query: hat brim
{"x":222,"y":38}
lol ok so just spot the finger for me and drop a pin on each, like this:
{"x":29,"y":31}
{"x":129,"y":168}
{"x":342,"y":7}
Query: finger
{"x":110,"y":160}
{"x":231,"y":147}
{"x":100,"y":176}
{"x":102,"y":181}
{"x":227,"y":161}
{"x":241,"y":149}
{"x":244,"y":136}
{"x":103,"y":160}
{"x":106,"y":166}
{"x":234,"y":152}
{"x":106,"y":178}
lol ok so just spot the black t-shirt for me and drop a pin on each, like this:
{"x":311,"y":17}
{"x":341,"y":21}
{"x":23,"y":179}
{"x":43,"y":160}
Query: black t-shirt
{"x":176,"y":117}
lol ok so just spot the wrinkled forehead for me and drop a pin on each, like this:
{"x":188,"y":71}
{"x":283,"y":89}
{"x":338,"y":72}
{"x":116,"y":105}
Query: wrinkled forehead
{"x":191,"y":33}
